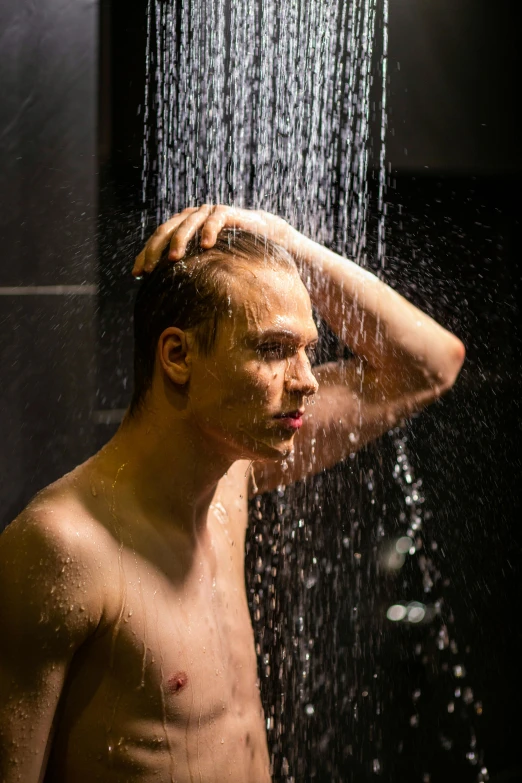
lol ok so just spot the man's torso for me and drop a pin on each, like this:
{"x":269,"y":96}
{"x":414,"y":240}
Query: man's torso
{"x":166,"y":689}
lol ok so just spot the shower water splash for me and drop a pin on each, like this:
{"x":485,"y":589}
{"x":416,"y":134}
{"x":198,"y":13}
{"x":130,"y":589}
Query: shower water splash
{"x":268,"y":105}
{"x":282,"y":106}
{"x":441,"y":642}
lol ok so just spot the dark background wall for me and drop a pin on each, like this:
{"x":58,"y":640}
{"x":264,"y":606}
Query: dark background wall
{"x":455,"y":220}
{"x":454,"y":67}
{"x":48,"y":270}
{"x":71,"y":137}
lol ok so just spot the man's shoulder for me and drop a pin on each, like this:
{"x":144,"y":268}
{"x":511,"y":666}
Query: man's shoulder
{"x":50,"y":556}
{"x":58,"y":519}
{"x":48,"y":577}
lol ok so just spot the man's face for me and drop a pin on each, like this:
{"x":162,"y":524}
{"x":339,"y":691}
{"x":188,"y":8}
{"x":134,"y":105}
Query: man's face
{"x":259,"y":368}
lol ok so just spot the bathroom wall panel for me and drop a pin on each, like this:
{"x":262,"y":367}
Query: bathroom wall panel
{"x":47,"y":393}
{"x":48,"y":206}
{"x":48,"y":63}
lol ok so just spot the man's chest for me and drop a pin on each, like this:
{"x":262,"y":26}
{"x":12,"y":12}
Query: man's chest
{"x":181,"y":637}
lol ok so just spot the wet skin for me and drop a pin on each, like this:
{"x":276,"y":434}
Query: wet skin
{"x":136,"y":559}
{"x":166,"y":687}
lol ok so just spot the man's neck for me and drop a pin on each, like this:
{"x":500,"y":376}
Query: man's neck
{"x":168,"y":468}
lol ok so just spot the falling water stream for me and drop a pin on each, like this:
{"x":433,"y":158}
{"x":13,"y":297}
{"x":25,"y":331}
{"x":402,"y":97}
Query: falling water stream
{"x":281,"y":105}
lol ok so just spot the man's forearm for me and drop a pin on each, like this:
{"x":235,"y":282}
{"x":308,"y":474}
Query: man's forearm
{"x":378,"y":324}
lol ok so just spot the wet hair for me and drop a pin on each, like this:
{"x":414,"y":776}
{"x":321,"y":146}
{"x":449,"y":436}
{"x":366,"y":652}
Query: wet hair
{"x":193,"y":293}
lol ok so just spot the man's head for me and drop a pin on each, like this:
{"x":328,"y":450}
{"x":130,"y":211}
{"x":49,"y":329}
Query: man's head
{"x":223,"y":334}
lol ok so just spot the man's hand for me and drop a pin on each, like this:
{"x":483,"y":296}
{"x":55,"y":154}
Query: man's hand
{"x":180,"y":229}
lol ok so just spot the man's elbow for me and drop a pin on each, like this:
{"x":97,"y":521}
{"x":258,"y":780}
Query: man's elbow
{"x":454,"y":361}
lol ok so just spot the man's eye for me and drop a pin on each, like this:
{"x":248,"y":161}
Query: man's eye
{"x":271,"y":350}
{"x":311,"y":352}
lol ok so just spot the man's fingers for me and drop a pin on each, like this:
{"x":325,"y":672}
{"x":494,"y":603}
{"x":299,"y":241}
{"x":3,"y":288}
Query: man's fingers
{"x":217,"y":220}
{"x":180,"y":229}
{"x":162,"y":236}
{"x":159,"y":241}
{"x":147,"y":259}
{"x":184,"y":233}
{"x":139,"y":264}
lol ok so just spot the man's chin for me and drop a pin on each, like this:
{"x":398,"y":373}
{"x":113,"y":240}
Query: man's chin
{"x":268,"y":446}
{"x":277,"y":449}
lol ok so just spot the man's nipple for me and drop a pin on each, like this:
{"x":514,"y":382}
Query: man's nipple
{"x":177,"y":682}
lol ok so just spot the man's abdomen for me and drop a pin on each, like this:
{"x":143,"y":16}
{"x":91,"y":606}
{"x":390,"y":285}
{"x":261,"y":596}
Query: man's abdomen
{"x":219,"y":748}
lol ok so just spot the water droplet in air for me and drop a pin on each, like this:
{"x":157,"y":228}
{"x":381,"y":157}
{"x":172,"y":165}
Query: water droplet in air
{"x":403,"y":544}
{"x":396,"y":613}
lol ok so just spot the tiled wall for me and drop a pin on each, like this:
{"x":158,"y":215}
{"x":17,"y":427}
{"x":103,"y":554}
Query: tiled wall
{"x":48,"y":279}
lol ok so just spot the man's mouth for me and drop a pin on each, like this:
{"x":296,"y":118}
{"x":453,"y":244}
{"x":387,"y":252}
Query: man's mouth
{"x":292,"y":420}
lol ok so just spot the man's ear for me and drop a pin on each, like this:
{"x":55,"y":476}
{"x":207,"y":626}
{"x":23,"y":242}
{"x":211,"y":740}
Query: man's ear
{"x":174,"y":354}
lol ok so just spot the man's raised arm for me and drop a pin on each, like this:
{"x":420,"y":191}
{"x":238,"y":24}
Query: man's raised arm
{"x":48,"y":607}
{"x":404,"y":360}
{"x":384,"y":330}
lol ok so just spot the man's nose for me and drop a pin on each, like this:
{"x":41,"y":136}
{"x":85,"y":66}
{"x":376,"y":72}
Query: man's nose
{"x":300,"y":379}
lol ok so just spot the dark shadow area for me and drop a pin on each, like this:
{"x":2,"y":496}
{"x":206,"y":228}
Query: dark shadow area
{"x":48,"y":272}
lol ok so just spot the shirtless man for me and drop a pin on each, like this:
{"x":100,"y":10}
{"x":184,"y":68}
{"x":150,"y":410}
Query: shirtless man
{"x":127,"y":653}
